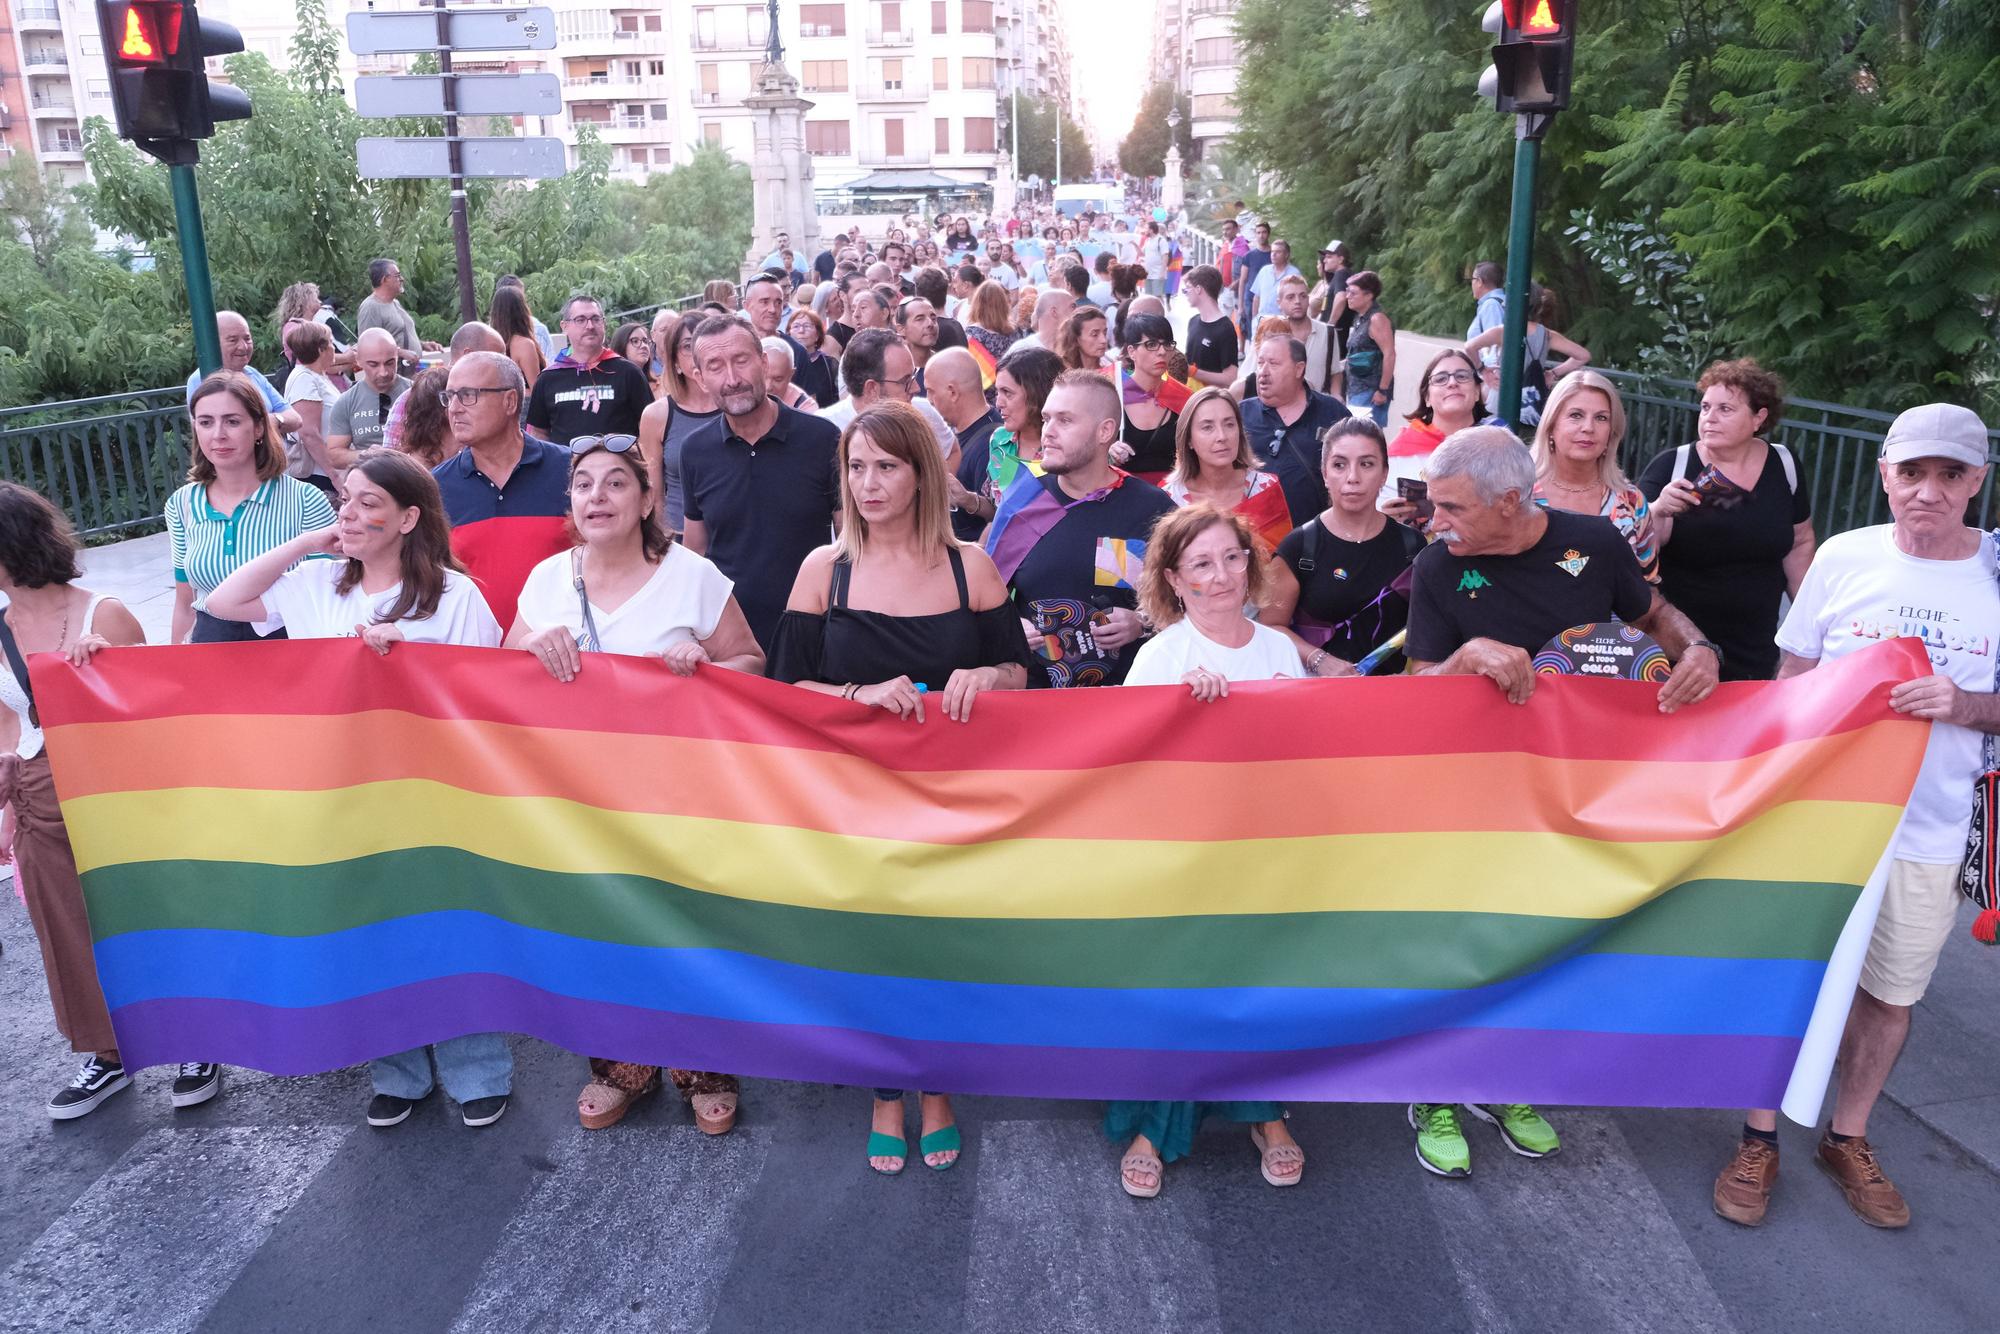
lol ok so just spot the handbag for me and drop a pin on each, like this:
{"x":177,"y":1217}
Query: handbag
{"x":1977,"y":874}
{"x":19,"y":667}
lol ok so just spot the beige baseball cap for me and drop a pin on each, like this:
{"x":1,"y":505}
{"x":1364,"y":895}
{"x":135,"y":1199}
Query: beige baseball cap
{"x":1937,"y":431}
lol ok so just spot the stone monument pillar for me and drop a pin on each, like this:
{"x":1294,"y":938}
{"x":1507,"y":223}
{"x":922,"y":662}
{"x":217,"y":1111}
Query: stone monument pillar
{"x":1173,"y":187}
{"x":781,"y":171}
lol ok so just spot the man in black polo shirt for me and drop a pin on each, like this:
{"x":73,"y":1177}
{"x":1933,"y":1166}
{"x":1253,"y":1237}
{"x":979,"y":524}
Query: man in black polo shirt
{"x":764,"y":303}
{"x":1285,"y":422}
{"x":761,"y":485}
{"x":1504,"y":577}
{"x":588,"y":389}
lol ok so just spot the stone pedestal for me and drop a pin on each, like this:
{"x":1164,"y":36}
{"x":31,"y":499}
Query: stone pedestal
{"x":781,"y":171}
{"x":1173,"y":190}
{"x":1005,"y":191}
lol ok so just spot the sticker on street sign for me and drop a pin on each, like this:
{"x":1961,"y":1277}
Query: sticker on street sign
{"x":382,"y":159}
{"x":379,"y":95}
{"x":480,"y":29}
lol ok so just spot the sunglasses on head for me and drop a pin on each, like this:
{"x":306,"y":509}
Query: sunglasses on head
{"x":611,"y":444}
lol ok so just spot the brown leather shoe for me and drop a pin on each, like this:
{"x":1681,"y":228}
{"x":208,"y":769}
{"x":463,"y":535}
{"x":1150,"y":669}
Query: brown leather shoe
{"x":1870,"y":1194}
{"x":1743,"y":1191}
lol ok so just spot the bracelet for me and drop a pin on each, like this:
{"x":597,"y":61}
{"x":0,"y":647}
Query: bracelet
{"x":847,"y":691}
{"x":1312,"y":663}
{"x":1712,"y":647}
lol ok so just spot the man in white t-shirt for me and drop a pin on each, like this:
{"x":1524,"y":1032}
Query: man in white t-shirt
{"x":1925,"y":576}
{"x":877,"y":368}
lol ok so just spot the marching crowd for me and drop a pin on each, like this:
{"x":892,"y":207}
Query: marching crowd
{"x":908,"y":473}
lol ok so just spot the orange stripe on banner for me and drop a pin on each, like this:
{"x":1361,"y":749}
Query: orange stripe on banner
{"x":1171,"y":801}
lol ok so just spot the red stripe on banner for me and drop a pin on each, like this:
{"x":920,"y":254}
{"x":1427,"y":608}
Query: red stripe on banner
{"x":1039,"y":730}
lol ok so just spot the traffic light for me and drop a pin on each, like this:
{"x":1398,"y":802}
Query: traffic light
{"x":161,"y":94}
{"x":1533,"y":58}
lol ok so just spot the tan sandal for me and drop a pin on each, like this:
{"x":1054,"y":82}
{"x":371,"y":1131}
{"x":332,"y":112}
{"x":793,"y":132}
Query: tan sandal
{"x":1273,"y":1155}
{"x":1142,"y":1162}
{"x":715,"y":1113}
{"x":601,"y":1106}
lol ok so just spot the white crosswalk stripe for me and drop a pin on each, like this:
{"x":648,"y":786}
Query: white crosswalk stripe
{"x":155,"y":1241}
{"x":1577,"y":1241}
{"x":1056,"y":1245}
{"x":635,"y":1228}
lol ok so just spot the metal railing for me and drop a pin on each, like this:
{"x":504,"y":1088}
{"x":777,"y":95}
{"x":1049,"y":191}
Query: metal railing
{"x":1836,"y":447}
{"x":109,"y":463}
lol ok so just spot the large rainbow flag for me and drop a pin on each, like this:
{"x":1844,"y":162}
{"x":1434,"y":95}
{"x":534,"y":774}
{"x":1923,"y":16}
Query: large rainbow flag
{"x":299,"y":855}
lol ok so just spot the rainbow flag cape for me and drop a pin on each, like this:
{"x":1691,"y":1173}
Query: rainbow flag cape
{"x":988,"y":367}
{"x":298,"y":856}
{"x":1026,"y":511}
{"x":1173,"y":395}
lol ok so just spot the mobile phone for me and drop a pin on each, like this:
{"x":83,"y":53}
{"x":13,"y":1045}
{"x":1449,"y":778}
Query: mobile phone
{"x":1418,"y":493}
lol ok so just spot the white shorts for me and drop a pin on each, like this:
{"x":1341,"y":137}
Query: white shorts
{"x":1919,"y":910}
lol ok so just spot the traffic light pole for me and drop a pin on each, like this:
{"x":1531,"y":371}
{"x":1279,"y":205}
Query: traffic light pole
{"x":194,"y":268}
{"x":1528,"y":131}
{"x":461,"y":227}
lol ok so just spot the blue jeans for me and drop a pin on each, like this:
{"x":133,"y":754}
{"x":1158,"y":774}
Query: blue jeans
{"x":478,"y":1065}
{"x":1364,"y":402}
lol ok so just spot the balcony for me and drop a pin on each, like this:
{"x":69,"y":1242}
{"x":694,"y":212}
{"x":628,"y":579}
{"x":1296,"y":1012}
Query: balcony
{"x":724,"y":41}
{"x":890,"y":37}
{"x":819,"y":89}
{"x":908,"y":90}
{"x":63,"y":147}
{"x":51,"y":108}
{"x":875,"y":157}
{"x":32,"y":18}
{"x":842,"y":151}
{"x":704,"y":97}
{"x":47,"y":60}
{"x":821,"y":30}
{"x":610,"y":87}
{"x":632,"y":130}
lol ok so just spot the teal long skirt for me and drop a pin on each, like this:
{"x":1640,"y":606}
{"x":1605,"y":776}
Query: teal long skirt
{"x":1171,"y":1125}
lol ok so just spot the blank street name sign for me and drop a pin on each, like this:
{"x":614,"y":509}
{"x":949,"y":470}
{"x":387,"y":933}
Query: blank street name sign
{"x":387,"y":159}
{"x":376,"y":96}
{"x":481,"y":29}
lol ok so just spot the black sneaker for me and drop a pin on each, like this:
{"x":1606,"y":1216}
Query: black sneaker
{"x":95,"y":1082}
{"x":196,"y":1084}
{"x":484,"y":1111}
{"x":386,"y":1109}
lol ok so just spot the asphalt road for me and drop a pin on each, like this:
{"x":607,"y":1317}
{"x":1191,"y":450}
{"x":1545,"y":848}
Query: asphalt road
{"x":275,"y":1208}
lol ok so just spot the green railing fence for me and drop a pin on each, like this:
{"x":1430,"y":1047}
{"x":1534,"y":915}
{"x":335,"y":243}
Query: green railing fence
{"x":1836,"y":447}
{"x":110,"y":463}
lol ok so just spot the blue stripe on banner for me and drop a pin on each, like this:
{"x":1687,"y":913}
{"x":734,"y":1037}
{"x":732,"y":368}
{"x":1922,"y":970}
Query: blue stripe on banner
{"x":1610,"y":993}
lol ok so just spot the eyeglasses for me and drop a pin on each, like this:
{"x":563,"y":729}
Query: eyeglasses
{"x":468,"y":395}
{"x":585,"y":320}
{"x":1235,"y":561}
{"x":908,"y":383}
{"x":610,"y":444}
{"x":1153,"y":345}
{"x":1443,"y":378}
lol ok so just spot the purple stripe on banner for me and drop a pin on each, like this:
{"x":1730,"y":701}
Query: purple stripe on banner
{"x":1447,"y":1065}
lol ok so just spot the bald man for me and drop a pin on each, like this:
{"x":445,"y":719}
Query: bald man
{"x":1051,"y":309}
{"x":233,"y":331}
{"x":472,"y":336}
{"x":955,"y":390}
{"x":360,"y":415}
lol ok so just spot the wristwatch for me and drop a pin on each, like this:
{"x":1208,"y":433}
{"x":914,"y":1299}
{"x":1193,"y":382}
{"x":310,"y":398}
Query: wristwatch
{"x":1712,"y":647}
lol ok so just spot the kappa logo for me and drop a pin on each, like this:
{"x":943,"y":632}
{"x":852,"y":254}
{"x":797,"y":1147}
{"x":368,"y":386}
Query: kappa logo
{"x":1572,"y":562}
{"x":1472,"y":581}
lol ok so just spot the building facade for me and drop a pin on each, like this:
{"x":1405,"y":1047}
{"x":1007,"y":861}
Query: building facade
{"x":1194,"y":49}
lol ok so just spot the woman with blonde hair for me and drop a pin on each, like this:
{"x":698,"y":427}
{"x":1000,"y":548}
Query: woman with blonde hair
{"x":721,"y":292}
{"x":893,"y":609}
{"x":989,"y":321}
{"x":1085,"y":342}
{"x":1576,"y":462}
{"x":1201,"y":568}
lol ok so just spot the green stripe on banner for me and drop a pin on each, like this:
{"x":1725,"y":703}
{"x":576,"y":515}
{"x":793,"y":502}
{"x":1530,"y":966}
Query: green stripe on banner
{"x":1733,"y":919}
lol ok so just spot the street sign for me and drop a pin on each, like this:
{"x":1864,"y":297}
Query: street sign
{"x":381,"y":159}
{"x":480,"y":29}
{"x":380,"y":95}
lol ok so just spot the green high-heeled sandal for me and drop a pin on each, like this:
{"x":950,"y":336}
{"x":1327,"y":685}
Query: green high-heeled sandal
{"x":887,"y":1146}
{"x":944,"y":1140}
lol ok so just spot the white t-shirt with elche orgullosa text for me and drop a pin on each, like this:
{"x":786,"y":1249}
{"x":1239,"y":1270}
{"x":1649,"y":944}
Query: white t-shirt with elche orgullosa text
{"x":1862,"y":589}
{"x":683,"y":599}
{"x":306,"y":600}
{"x":1180,"y":648}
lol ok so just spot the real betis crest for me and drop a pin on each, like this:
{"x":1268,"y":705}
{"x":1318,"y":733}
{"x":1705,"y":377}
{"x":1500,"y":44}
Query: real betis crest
{"x":1572,"y":562}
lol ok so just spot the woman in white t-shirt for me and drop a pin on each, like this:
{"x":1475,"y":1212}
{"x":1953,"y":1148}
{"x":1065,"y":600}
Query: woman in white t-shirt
{"x":309,"y":389}
{"x":627,"y":587}
{"x":399,"y":581}
{"x":1200,"y":571}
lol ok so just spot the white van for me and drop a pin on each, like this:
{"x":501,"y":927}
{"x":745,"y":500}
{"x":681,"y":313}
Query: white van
{"x":1094,"y":197}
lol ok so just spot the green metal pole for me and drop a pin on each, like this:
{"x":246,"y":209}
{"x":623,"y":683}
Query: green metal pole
{"x":1520,"y":262}
{"x":194,"y":268}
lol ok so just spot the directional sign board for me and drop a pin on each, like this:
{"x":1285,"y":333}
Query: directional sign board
{"x":380,"y":95}
{"x":481,"y":29}
{"x":381,"y":159}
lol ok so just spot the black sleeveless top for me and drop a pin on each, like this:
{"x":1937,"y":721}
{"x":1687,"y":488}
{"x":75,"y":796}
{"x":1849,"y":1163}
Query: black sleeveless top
{"x":845,"y":644}
{"x":1152,"y":451}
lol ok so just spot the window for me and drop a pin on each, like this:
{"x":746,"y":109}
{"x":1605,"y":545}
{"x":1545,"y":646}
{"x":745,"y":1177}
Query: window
{"x":941,"y":135}
{"x":1212,"y":106}
{"x":940,"y":73}
{"x":827,"y":137}
{"x":975,"y":16}
{"x":940,"y":20}
{"x":892,"y":138}
{"x":978,"y":71}
{"x":711,"y":131}
{"x":711,"y":79}
{"x":628,"y":23}
{"x":823,"y":76}
{"x":656,"y":68}
{"x":823,"y":20}
{"x":892,"y":16}
{"x":892,"y":75}
{"x":652,"y":23}
{"x":1215,"y":51}
{"x":632,"y":69}
{"x":658,"y":111}
{"x":979,"y":134}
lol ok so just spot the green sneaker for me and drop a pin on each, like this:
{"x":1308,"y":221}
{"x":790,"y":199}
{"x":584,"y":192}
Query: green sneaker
{"x":1441,"y":1146}
{"x":1524,"y":1128}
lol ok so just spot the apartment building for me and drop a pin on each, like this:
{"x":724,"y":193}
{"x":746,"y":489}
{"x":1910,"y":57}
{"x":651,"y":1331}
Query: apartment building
{"x":1194,"y":49}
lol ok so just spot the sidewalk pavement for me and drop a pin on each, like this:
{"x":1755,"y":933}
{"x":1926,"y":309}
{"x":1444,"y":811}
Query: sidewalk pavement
{"x":1949,"y":1076}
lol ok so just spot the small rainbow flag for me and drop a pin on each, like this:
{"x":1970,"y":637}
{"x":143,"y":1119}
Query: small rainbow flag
{"x":988,"y":367}
{"x":299,"y":855}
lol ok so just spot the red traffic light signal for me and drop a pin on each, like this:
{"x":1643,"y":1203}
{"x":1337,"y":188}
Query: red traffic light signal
{"x":1532,"y":61}
{"x":1543,"y":18}
{"x":146,"y":34}
{"x":160,"y":91}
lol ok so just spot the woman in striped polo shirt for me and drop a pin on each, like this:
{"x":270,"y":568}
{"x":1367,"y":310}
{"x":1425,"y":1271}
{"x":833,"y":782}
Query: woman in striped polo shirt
{"x":237,"y":504}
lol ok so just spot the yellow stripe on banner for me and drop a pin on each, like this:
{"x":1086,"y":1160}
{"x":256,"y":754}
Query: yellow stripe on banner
{"x":1535,"y":874}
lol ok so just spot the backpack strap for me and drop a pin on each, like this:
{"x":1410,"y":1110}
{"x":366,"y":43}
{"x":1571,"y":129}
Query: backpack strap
{"x":1791,"y":466}
{"x":1681,"y":460}
{"x":19,"y":668}
{"x":1310,"y":560}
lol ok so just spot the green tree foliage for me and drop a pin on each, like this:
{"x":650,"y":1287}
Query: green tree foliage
{"x":1038,"y":143}
{"x":1816,"y":181}
{"x":1143,"y":152}
{"x":281,"y":203}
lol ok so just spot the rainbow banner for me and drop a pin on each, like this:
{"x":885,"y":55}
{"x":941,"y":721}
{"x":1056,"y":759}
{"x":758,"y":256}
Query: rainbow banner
{"x":300,"y":855}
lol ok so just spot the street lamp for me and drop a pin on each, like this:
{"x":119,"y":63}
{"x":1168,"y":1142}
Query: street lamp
{"x":1172,"y":188}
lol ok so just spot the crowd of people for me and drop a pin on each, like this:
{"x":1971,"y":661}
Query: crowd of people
{"x":917,"y":470}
